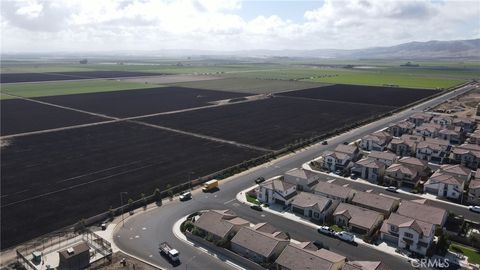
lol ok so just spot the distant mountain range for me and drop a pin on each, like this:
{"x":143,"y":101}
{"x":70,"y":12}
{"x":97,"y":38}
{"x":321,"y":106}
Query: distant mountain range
{"x":411,"y":50}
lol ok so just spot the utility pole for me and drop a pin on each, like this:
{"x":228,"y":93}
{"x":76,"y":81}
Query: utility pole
{"x":121,"y":205}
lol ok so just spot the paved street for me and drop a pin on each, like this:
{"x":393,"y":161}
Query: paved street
{"x":142,"y":233}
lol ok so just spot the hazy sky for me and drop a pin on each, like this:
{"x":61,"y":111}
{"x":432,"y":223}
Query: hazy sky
{"x":105,"y":25}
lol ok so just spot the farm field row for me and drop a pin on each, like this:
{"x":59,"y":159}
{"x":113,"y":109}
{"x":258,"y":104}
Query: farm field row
{"x":270,"y":123}
{"x":42,"y":89}
{"x":376,"y":95}
{"x":250,"y":85}
{"x":359,"y":77}
{"x":73,"y":75}
{"x":54,"y":179}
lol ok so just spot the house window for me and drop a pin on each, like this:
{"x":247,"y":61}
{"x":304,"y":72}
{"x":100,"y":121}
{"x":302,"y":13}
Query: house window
{"x":409,"y":235}
{"x":393,"y":228}
{"x":316,"y":215}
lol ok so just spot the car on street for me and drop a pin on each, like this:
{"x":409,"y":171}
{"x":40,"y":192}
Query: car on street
{"x":186,"y":196}
{"x":345,"y":143}
{"x":475,"y":209}
{"x":346,"y":236}
{"x":259,"y":180}
{"x":392,"y":189}
{"x":353,"y":176}
{"x":256,"y":207}
{"x":338,"y":172}
{"x":326,"y":230}
{"x":324,"y":143}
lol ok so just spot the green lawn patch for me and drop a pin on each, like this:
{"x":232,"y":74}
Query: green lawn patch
{"x":68,"y":88}
{"x":252,"y":199}
{"x":336,"y":228}
{"x":472,"y":254}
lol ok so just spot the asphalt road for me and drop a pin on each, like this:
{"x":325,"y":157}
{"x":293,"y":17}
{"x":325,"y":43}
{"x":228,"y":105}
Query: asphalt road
{"x":143,"y":232}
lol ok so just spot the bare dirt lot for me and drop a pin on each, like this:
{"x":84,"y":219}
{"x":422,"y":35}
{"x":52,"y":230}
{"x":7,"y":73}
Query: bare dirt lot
{"x":53,"y":180}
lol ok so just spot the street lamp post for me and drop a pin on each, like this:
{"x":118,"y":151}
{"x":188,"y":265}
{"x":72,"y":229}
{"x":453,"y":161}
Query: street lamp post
{"x":121,"y":205}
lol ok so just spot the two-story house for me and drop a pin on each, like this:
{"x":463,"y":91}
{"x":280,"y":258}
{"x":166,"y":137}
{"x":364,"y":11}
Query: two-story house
{"x":466,"y":154}
{"x":400,"y":128}
{"x":442,"y":120}
{"x":369,"y":169}
{"x":406,"y":172}
{"x":340,"y":158}
{"x":377,"y":141}
{"x":467,"y":124}
{"x":305,"y":180}
{"x":434,"y":150}
{"x":381,"y":203}
{"x":474,"y":138}
{"x":275,"y":190}
{"x":334,"y":192}
{"x":420,"y":118}
{"x":313,"y":206}
{"x":454,"y":135}
{"x":448,"y":181}
{"x":474,"y":190}
{"x":386,"y":158}
{"x":405,"y":145}
{"x":408,"y":233}
{"x":427,"y":130}
{"x":357,"y":219}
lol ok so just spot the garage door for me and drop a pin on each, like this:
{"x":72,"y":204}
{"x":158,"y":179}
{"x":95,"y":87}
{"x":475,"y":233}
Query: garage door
{"x":358,"y":230}
{"x":277,"y":201}
{"x":298,"y":210}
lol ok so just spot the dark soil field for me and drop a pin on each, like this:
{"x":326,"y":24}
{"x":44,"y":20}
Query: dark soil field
{"x":19,"y":116}
{"x":390,"y":96}
{"x":141,"y":102}
{"x":52,"y":180}
{"x":60,"y":76}
{"x":270,"y":123}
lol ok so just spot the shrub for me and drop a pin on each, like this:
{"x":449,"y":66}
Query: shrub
{"x":187,"y":225}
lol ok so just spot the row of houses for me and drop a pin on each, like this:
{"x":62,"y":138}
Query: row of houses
{"x":359,"y":212}
{"x":265,"y":244}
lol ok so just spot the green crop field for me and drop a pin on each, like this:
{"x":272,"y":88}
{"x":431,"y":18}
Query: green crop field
{"x":66,"y":88}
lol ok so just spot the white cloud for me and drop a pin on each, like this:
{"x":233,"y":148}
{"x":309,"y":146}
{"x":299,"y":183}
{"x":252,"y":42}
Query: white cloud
{"x":75,"y":25}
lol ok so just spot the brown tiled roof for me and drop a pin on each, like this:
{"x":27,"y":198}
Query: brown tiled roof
{"x":219,"y":222}
{"x":422,"y":212}
{"x":467,"y":148}
{"x":256,"y":241}
{"x":374,"y":200}
{"x":446,"y":178}
{"x":300,"y":173}
{"x":463,"y":120}
{"x":420,"y":115}
{"x":334,"y":190}
{"x":403,"y":221}
{"x":456,"y":169}
{"x":305,"y":199}
{"x":347,"y":149}
{"x":359,"y":216}
{"x":277,"y":184}
{"x":413,"y":161}
{"x":402,"y":168}
{"x":365,"y":265}
{"x":370,"y":163}
{"x":382,"y":155}
{"x":429,"y":127}
{"x":474,"y":184}
{"x":337,"y":155}
{"x":298,"y":258}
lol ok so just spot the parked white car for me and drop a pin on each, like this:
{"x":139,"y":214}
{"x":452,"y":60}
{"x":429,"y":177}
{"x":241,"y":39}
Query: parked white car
{"x":346,"y":236}
{"x":326,"y":230}
{"x":474,"y":209}
{"x":392,"y":189}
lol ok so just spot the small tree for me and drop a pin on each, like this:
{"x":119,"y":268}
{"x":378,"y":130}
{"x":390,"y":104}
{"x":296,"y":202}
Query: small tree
{"x":169,"y":191}
{"x":111,"y":213}
{"x":443,"y":244}
{"x":80,"y":226}
{"x":157,"y":196}
{"x":130,"y":205}
{"x":144,"y":201}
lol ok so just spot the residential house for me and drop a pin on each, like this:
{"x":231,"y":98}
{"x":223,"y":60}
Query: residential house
{"x":454,"y":135}
{"x":365,"y":265}
{"x":474,"y":138}
{"x":420,"y":118}
{"x":400,"y":128}
{"x":304,"y":180}
{"x":340,"y":158}
{"x":405,"y":145}
{"x":334,"y":192}
{"x":377,"y":141}
{"x":467,"y":124}
{"x":442,"y":120}
{"x":448,"y":181}
{"x":220,"y":224}
{"x":259,"y":246}
{"x":434,"y":150}
{"x":408,"y":233}
{"x":427,"y":130}
{"x":312,"y":206}
{"x":423,"y":212}
{"x":379,"y":203}
{"x":407,"y":172}
{"x":369,"y":169}
{"x":306,"y":256}
{"x":357,"y":219}
{"x":474,"y":192}
{"x":386,"y":158}
{"x":466,"y":154}
{"x":275,"y":190}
